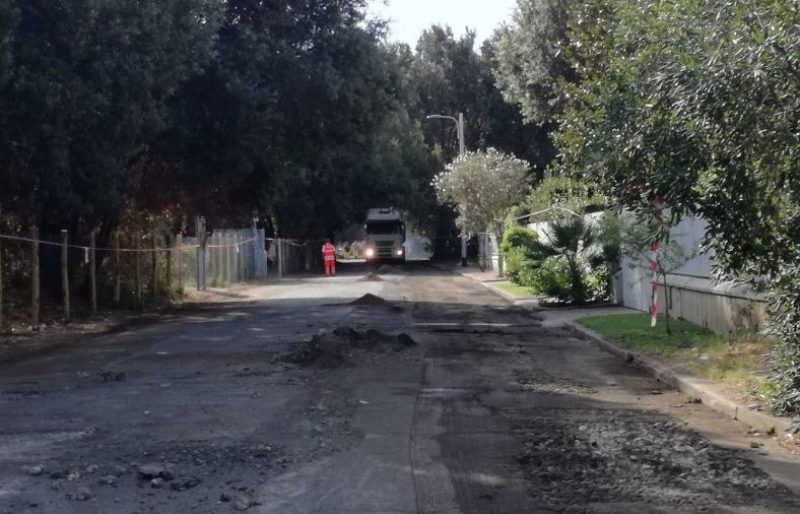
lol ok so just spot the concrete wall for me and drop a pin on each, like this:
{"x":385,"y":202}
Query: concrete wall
{"x":692,"y":293}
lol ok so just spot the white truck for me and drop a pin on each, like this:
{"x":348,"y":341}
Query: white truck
{"x":384,"y":236}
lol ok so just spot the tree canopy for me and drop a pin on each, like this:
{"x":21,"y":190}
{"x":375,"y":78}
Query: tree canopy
{"x":483,"y":186}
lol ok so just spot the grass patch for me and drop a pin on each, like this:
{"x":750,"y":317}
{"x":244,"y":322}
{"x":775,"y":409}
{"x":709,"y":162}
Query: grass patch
{"x":633,"y":330}
{"x":517,"y":290}
{"x":739,"y":361}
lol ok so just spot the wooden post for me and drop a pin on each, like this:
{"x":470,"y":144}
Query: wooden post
{"x":139,"y":295}
{"x":168,"y":272}
{"x":117,"y":271}
{"x":93,"y":269}
{"x":224,"y":260}
{"x":154,"y":270}
{"x":35,"y":277}
{"x":279,"y":242}
{"x":237,"y":254}
{"x":179,"y":262}
{"x":65,"y":274}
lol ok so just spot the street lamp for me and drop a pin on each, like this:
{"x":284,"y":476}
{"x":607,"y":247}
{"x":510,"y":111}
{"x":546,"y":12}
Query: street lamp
{"x":462,"y":149}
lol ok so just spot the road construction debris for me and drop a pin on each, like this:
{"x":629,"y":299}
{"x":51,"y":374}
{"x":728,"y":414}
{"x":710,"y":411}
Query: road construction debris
{"x":33,"y":471}
{"x":369,"y":300}
{"x":81,"y":495}
{"x":595,"y":457}
{"x":336,"y":348}
{"x":107,"y":480}
{"x":112,"y":376}
{"x":152,"y":471}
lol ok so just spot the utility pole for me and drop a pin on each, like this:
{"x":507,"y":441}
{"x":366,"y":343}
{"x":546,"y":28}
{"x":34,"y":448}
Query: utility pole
{"x":462,"y":149}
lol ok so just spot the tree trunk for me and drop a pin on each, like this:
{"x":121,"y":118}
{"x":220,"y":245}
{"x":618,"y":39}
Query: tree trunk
{"x":663,"y":274}
{"x":578,"y":287}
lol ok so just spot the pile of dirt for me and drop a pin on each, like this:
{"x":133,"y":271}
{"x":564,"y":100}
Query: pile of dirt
{"x":369,"y":300}
{"x":337,"y":348}
{"x":371,"y":277}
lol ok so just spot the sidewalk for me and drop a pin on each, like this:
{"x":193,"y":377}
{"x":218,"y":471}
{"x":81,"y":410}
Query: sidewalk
{"x":705,"y":391}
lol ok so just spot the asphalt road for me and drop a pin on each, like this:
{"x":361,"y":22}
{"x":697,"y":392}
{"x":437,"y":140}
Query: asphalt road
{"x":231,"y":409}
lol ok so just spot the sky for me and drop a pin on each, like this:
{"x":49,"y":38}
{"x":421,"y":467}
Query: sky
{"x":410,"y":17}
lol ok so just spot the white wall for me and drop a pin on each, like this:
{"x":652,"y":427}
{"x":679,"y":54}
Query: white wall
{"x":692,"y":293}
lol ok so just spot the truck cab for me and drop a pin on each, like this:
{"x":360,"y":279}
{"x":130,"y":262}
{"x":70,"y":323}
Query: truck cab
{"x":384,"y":236}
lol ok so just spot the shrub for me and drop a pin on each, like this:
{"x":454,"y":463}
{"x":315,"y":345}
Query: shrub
{"x":551,"y":277}
{"x":516,"y":261}
{"x":519,"y":237}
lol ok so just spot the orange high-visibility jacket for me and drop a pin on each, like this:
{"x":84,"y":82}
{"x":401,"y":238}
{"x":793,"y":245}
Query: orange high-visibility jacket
{"x":329,"y":252}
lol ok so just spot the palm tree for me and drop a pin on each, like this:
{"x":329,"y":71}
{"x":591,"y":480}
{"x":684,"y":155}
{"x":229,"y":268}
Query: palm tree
{"x":570,"y":238}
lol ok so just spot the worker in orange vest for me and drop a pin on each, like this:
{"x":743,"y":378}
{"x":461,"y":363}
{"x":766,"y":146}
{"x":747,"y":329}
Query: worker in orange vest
{"x":329,"y":256}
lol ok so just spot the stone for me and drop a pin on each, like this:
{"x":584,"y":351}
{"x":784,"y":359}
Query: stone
{"x":91,"y":468}
{"x":34,"y":471}
{"x":154,"y":470}
{"x":82,"y":494}
{"x":157,"y":483}
{"x":183,"y":484}
{"x":243,"y":503}
{"x":107,"y":480}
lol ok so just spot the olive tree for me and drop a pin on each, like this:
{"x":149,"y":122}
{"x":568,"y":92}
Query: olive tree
{"x":695,"y":106}
{"x":483,"y":187}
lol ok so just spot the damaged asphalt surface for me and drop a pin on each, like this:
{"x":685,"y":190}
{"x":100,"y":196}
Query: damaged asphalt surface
{"x":430,"y":395}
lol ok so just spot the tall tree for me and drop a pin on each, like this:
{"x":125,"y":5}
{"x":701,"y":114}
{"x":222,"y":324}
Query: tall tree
{"x":531,"y":65}
{"x":87,"y":90}
{"x":483,"y":187}
{"x":696,"y":108}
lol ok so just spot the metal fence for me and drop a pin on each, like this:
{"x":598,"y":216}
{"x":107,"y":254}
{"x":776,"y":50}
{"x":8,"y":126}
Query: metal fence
{"x":290,"y":256}
{"x":225,"y":257}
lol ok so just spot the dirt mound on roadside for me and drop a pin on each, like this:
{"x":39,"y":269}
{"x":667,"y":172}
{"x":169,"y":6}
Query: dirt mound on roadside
{"x":369,"y":300}
{"x":371,"y":277}
{"x":340,"y":346}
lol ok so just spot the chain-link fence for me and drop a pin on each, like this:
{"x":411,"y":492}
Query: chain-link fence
{"x":228,"y":256}
{"x":290,"y":257}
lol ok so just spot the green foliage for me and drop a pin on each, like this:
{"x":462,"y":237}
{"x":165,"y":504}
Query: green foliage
{"x":609,"y":237}
{"x":634,"y":331}
{"x":483,"y":186}
{"x":573,"y":239}
{"x":85,"y":92}
{"x":563,"y":192}
{"x":519,"y":237}
{"x":552,"y":277}
{"x":516,"y":262}
{"x":517,"y":290}
{"x":446,"y":75}
{"x":529,"y":65}
{"x":696,"y":104}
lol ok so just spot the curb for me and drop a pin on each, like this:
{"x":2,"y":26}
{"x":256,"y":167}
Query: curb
{"x":505,"y":295}
{"x":695,"y":388}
